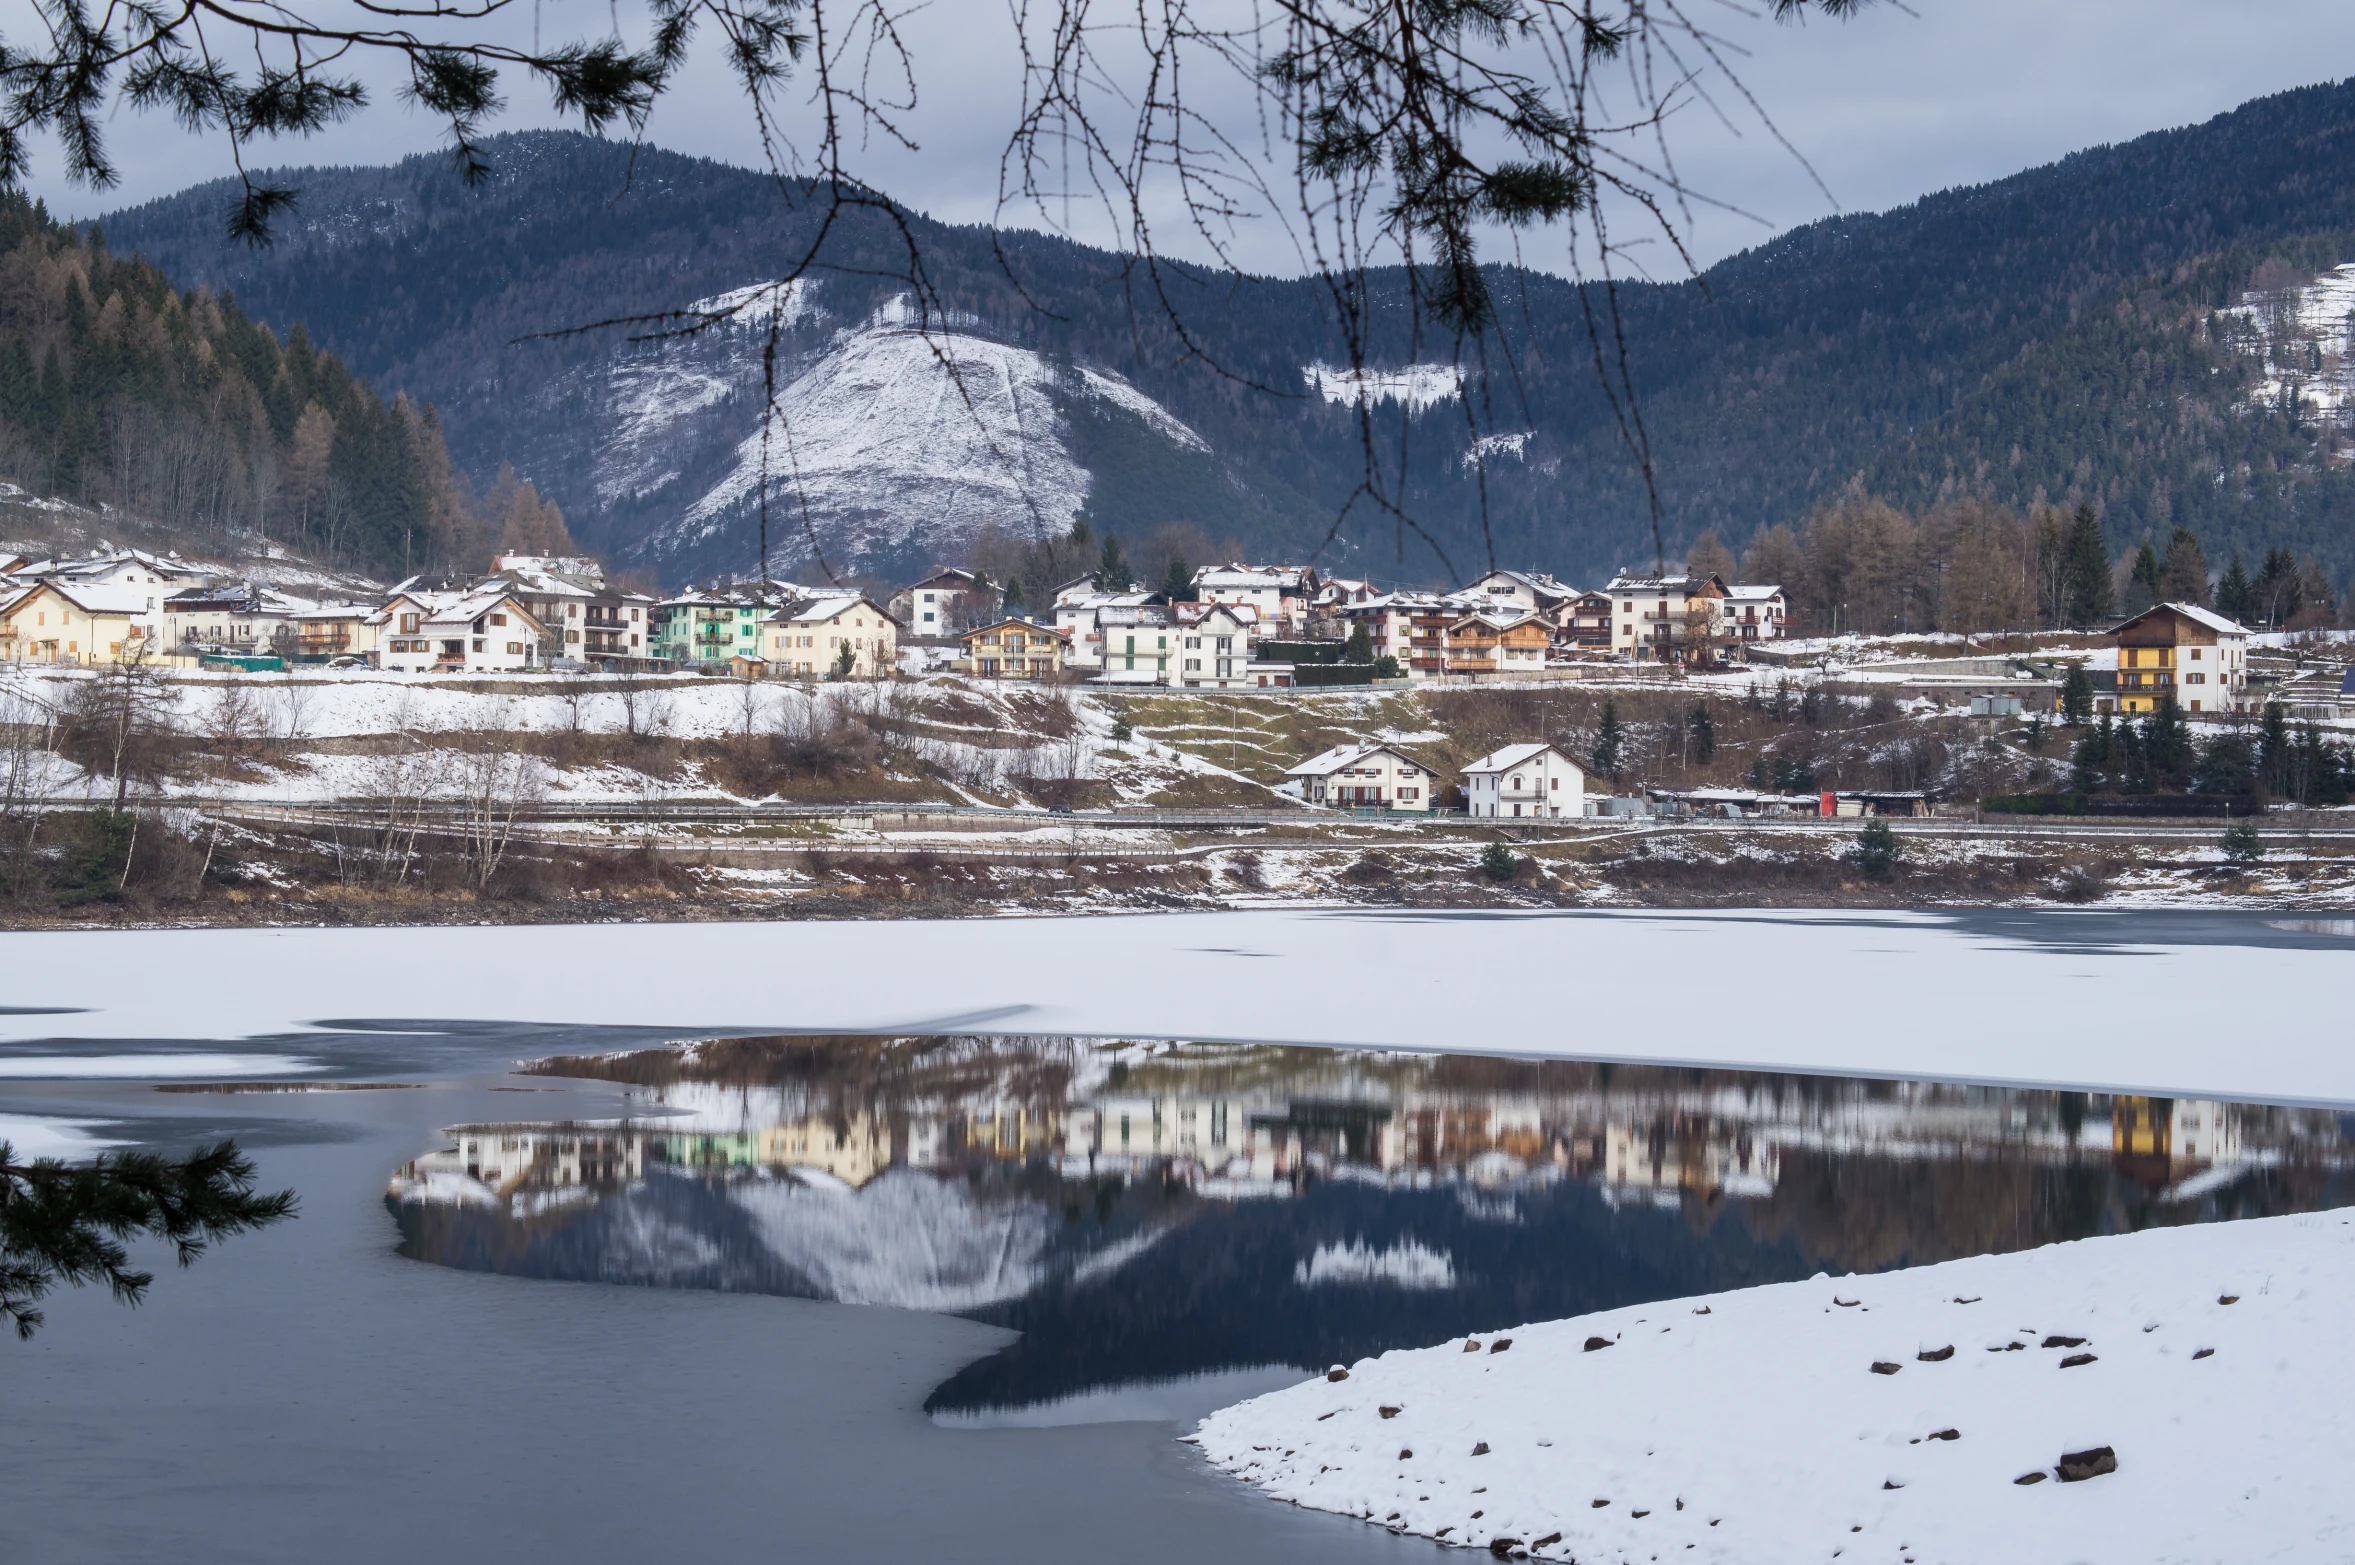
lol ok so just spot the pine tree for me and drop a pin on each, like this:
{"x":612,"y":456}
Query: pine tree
{"x":2076,"y":696}
{"x":2279,"y":588}
{"x":1877,"y":850}
{"x":2166,"y":744}
{"x":2144,"y":584}
{"x":1014,"y":603}
{"x":2090,"y":760}
{"x":1177,"y":583}
{"x":2277,"y":760}
{"x":2236,"y":595}
{"x":2185,"y":571}
{"x":2089,"y":571}
{"x":1359,"y":648}
{"x":1703,"y":735}
{"x":1610,"y":743}
{"x":68,"y":1223}
{"x":1112,"y":573}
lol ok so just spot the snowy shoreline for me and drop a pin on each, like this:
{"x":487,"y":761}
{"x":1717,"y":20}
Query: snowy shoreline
{"x":1959,"y":1412}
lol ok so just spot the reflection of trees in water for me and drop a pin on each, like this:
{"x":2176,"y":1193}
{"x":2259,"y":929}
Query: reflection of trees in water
{"x":1870,"y":1213}
{"x":850,"y":1072}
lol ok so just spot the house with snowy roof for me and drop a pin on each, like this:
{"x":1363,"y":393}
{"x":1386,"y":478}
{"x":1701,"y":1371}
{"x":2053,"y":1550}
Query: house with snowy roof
{"x":1365,"y":775}
{"x":1499,"y":645}
{"x":1525,"y":781}
{"x":479,"y":630}
{"x":1523,"y":592}
{"x":944,"y":603}
{"x":75,"y":622}
{"x":2195,"y":655}
{"x":585,"y":617}
{"x":833,"y":634}
{"x":1281,"y":593}
{"x":1755,"y":611}
{"x":1082,"y":616}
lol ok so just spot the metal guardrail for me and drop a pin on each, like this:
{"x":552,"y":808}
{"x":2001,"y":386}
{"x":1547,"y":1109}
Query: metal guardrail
{"x":880,"y":816}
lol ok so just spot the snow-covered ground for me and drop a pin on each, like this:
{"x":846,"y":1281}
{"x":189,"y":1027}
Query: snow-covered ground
{"x":2133,"y":1004}
{"x":2195,"y":1375}
{"x":2299,"y":337}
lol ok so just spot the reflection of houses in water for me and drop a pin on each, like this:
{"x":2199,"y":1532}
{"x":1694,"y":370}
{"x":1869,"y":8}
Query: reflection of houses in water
{"x":1239,"y":1123}
{"x":1668,"y":1156}
{"x":2159,"y":1141}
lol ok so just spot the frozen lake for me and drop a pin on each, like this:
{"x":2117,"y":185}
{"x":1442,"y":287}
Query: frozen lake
{"x":825,"y":1297}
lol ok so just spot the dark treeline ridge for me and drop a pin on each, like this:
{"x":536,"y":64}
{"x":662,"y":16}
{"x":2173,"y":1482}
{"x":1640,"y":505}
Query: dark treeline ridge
{"x":118,"y":389}
{"x":2063,"y":337}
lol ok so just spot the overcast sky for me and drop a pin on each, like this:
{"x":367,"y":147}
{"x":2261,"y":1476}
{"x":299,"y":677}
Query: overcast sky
{"x":1887,"y":107}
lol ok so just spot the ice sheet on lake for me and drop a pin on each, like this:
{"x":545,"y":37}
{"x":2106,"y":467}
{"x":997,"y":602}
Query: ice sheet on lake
{"x":38,"y":1135}
{"x":2066,"y":999}
{"x":141,"y":1067}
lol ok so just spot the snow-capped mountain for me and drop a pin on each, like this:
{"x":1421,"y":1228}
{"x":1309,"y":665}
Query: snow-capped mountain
{"x":894,"y":437}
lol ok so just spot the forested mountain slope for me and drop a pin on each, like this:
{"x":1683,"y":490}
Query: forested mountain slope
{"x":2078,"y":331}
{"x":117,"y":390}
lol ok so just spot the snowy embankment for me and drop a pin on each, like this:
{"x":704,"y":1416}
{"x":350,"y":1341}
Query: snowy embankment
{"x":2174,"y":1395}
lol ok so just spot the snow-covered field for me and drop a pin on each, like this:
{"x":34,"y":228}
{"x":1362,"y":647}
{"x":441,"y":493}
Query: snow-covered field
{"x":2045,"y":999}
{"x":2195,"y":1375}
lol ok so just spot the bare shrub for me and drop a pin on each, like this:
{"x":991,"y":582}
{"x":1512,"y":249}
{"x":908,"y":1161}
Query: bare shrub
{"x":118,"y":724}
{"x":234,"y":726}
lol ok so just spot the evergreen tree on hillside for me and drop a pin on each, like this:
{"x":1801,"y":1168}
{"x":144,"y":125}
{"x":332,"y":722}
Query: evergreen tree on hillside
{"x":2076,"y":696}
{"x":2277,"y":754}
{"x":2280,"y":589}
{"x":2088,"y":601}
{"x":2146,"y":583}
{"x":177,"y":408}
{"x":2166,"y":745}
{"x":2184,"y":573}
{"x":1112,"y":572}
{"x":1610,"y":743}
{"x":1701,"y":735}
{"x":2236,"y":595}
{"x":1177,"y":583}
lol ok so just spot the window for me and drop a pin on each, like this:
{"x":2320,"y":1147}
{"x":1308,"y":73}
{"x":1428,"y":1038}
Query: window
{"x":515,"y":649}
{"x":498,"y":619}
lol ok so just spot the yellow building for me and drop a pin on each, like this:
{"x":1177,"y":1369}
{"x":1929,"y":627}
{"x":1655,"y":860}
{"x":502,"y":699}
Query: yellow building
{"x":1016,"y":649}
{"x":52,"y":623}
{"x":2181,"y":650}
{"x":810,"y":638}
{"x":1498,"y":645}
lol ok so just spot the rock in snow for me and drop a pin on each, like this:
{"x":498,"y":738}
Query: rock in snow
{"x":1751,"y":1428}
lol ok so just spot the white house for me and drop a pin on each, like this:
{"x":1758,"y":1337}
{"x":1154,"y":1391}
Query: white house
{"x":1514,"y":593}
{"x":1365,"y":776}
{"x":1280,"y":593}
{"x":153,"y":578}
{"x":1215,"y":645}
{"x":1522,"y":781}
{"x":1755,"y":612}
{"x":1080,"y":616}
{"x":483,"y":630}
{"x":1137,"y":644}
